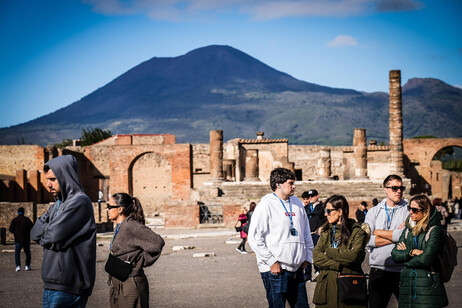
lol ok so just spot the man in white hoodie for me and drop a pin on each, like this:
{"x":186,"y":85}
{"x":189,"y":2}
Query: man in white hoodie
{"x":281,"y":239}
{"x":386,"y":221}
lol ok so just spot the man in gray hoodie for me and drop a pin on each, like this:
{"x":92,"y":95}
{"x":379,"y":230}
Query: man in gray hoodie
{"x":386,"y":221}
{"x":67,"y":233}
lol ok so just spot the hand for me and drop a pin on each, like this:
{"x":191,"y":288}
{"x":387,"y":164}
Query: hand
{"x":275,"y":268}
{"x":417,"y":252}
{"x":305,"y":264}
{"x":401,"y":246}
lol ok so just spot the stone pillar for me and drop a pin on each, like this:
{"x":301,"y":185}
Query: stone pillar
{"x":251,"y":166}
{"x":396,"y":124}
{"x":360,"y":153}
{"x":21,"y":179}
{"x":216,"y":155}
{"x":228,"y":169}
{"x":36,"y":185}
{"x":324,"y":164}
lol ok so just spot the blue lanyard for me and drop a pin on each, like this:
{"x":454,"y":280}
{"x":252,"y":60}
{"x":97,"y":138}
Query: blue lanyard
{"x":334,"y":242}
{"x":290,"y":208}
{"x":415,"y":241}
{"x":55,"y":212}
{"x":388,"y":216}
{"x":311,"y":207}
{"x":115,"y":233}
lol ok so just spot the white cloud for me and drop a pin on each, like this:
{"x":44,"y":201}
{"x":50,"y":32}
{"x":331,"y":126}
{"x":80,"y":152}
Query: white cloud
{"x":342,"y":40}
{"x":257,"y":9}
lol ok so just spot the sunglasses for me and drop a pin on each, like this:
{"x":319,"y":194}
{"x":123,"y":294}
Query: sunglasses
{"x":328,"y":211}
{"x":414,"y":209}
{"x":110,"y":207}
{"x":395,"y":188}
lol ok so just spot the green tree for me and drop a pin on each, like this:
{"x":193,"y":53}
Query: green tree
{"x":93,"y":135}
{"x":64,"y":143}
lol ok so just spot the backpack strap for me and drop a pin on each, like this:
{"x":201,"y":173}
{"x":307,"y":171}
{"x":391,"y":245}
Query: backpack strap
{"x":428,"y":233}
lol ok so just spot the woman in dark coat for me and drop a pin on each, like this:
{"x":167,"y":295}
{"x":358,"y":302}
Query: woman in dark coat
{"x":341,"y":248}
{"x":135,"y":243}
{"x":420,"y":284}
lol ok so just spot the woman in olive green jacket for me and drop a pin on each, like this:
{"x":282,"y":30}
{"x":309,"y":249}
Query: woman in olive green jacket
{"x":341,"y":248}
{"x":420,"y":284}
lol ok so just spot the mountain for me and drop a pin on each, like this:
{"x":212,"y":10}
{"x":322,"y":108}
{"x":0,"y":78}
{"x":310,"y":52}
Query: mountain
{"x":219,"y":87}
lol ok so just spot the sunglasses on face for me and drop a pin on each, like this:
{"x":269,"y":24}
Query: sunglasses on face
{"x":414,"y":209}
{"x":328,"y":211}
{"x":395,"y":188}
{"x":110,"y":207}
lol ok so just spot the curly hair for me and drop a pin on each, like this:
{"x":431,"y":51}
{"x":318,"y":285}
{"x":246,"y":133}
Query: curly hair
{"x":280,"y":176}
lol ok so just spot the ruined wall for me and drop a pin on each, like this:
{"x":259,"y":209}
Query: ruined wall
{"x":270,"y":156}
{"x":15,"y":157}
{"x":378,"y":162}
{"x":200,"y":164}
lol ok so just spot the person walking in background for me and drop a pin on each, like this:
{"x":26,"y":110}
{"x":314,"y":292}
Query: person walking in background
{"x":20,"y":226}
{"x":386,"y":221}
{"x":315,"y":212}
{"x":437,"y":203}
{"x":340,"y":249}
{"x":280,"y":237}
{"x":361,"y":212}
{"x":420,"y":281}
{"x":135,"y":243}
{"x":67,"y":233}
{"x":243,"y":221}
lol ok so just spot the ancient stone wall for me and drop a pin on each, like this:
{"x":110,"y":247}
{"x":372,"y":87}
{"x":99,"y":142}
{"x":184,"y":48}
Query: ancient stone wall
{"x":16,"y":157}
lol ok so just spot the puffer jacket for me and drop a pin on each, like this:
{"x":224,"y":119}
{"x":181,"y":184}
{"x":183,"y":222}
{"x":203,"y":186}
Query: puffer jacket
{"x":420,"y":284}
{"x":347,"y":259}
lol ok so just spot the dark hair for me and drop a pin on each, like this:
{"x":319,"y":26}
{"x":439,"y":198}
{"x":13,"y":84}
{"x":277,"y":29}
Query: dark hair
{"x":340,"y":202}
{"x":46,"y":168}
{"x":252,"y":206}
{"x":305,"y":195}
{"x":21,"y":210}
{"x":364,"y":203}
{"x":436,"y":201}
{"x":375,"y":201}
{"x":280,"y":176}
{"x":131,"y":206}
{"x":391,"y":177}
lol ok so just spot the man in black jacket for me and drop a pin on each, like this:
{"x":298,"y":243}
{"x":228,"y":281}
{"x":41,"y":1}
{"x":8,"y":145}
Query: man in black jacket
{"x":20,"y":227}
{"x":315,"y":212}
{"x":67,"y":233}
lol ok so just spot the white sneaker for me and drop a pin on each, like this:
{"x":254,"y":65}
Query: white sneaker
{"x":243,"y":252}
{"x":18,"y":268}
{"x":27,"y":268}
{"x":238,"y":250}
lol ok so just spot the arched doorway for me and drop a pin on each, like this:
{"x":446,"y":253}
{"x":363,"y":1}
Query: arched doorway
{"x":150,"y":179}
{"x":446,"y":172}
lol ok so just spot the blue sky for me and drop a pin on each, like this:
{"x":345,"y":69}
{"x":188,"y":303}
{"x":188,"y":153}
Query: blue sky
{"x":54,"y":52}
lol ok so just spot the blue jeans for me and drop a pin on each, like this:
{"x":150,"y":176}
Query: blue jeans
{"x":287,"y":286}
{"x":58,"y":299}
{"x":17,"y":253}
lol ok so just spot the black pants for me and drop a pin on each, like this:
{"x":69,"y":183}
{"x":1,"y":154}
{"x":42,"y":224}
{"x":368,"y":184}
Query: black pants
{"x":241,"y":246}
{"x":382,"y":284}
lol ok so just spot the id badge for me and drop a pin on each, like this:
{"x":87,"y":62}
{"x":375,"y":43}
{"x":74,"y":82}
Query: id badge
{"x":293,"y":232}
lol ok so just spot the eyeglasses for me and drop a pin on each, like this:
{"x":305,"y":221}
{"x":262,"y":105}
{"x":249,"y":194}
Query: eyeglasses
{"x":395,"y":188}
{"x":414,"y":209}
{"x":110,"y":207}
{"x":328,"y":211}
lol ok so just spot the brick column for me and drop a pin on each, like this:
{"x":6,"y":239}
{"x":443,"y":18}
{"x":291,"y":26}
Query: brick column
{"x":216,"y":155}
{"x":36,"y":185}
{"x":360,"y":153}
{"x":21,"y":179}
{"x":396,"y":124}
{"x":251,"y":166}
{"x":324,"y":164}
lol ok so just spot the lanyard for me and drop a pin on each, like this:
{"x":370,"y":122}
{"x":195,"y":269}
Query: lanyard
{"x":389,"y":218}
{"x":415,"y":241}
{"x":290,"y":208}
{"x":334,"y":242}
{"x":55,"y":212}
{"x":115,"y":233}
{"x":311,"y":207}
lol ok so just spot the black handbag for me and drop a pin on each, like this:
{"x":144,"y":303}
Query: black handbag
{"x":238,"y":229}
{"x":352,"y":288}
{"x":118,"y":268}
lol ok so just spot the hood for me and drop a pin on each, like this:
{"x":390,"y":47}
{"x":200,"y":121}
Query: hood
{"x":66,"y":171}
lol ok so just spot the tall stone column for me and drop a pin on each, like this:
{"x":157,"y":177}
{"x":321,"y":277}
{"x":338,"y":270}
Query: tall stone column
{"x":251,"y":166}
{"x":360,"y":153}
{"x":324,"y":164}
{"x":21,"y":179}
{"x":396,"y":124}
{"x":36,"y":186}
{"x":216,"y":155}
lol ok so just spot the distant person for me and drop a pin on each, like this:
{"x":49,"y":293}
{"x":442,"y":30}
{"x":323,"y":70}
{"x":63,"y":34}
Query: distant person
{"x":340,"y":249}
{"x":375,"y":202}
{"x":280,"y":237}
{"x":20,"y":226}
{"x":67,"y":233}
{"x":315,"y":212}
{"x":420,"y":282}
{"x":437,"y":203}
{"x":135,"y":243}
{"x":386,"y":221}
{"x":243,"y":221}
{"x":361,"y":212}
